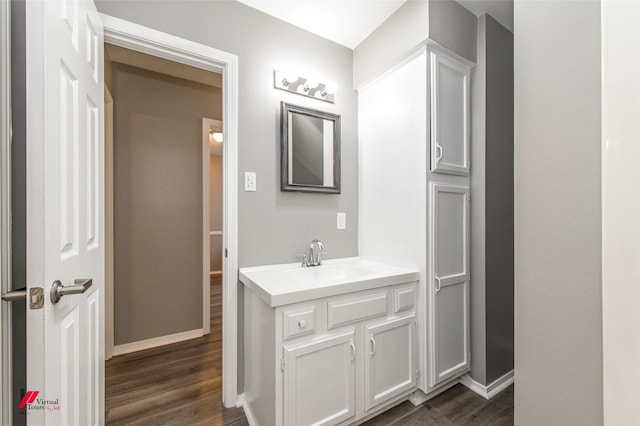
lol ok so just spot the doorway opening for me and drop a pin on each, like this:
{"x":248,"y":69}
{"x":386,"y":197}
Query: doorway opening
{"x":165,"y":219}
{"x":155,"y":43}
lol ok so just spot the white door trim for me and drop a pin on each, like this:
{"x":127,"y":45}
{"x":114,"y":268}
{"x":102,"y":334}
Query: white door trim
{"x":109,"y":313}
{"x":5,"y":212}
{"x":142,"y":39}
{"x":207,"y":124}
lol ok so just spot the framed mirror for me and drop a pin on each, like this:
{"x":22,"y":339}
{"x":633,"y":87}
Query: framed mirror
{"x":309,"y":150}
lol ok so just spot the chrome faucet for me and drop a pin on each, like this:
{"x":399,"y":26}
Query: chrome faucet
{"x":316,"y":250}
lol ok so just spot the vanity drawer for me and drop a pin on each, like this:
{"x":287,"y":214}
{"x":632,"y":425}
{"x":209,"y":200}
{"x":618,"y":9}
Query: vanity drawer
{"x":298,"y":322}
{"x":405,"y":298}
{"x":345,"y":311}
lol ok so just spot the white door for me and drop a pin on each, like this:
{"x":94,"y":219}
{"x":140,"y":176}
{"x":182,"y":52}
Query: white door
{"x":319,"y":381}
{"x":390,"y":367}
{"x":65,"y":213}
{"x":449,"y":106}
{"x":449,"y":283}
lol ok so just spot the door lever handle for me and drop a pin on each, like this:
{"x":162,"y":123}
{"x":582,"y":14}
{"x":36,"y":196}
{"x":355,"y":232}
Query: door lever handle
{"x":15,"y":296}
{"x":79,"y":287}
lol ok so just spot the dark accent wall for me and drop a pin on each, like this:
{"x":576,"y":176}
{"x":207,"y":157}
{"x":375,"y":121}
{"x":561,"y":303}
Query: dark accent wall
{"x":492,"y":234}
{"x":499,"y":200}
{"x":18,"y":206}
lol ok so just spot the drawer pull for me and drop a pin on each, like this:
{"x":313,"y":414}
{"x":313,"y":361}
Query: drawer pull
{"x":373,"y":346}
{"x":302,"y":323}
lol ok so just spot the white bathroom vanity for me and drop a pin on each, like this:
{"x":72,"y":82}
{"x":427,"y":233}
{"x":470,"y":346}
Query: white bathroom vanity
{"x":332,"y":344}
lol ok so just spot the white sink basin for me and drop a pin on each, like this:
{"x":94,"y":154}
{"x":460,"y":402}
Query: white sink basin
{"x":328,"y":272}
{"x":290,"y":283}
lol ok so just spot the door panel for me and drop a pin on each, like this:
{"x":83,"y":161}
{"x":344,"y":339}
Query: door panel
{"x":65,"y":219}
{"x":390,"y":367}
{"x":449,"y":95}
{"x":449,"y":282}
{"x":319,"y":381}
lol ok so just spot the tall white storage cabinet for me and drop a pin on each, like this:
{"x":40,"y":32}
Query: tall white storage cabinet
{"x":414,"y":198}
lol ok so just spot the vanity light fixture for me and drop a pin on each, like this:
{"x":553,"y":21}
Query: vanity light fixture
{"x":310,"y":87}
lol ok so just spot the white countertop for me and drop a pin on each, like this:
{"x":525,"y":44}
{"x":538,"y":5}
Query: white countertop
{"x":289,"y":283}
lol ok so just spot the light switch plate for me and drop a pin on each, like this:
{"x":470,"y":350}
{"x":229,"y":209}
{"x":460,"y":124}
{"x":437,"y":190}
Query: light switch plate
{"x":342,"y":221}
{"x":250,"y":181}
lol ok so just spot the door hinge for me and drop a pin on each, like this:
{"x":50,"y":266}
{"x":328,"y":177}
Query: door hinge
{"x":226,"y":253}
{"x":282,"y":364}
{"x":36,"y":298}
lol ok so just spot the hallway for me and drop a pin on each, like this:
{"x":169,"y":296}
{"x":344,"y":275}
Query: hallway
{"x":179,"y":384}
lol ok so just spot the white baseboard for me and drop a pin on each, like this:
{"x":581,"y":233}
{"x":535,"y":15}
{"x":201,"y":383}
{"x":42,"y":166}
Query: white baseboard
{"x":493,"y":388}
{"x":157,"y":341}
{"x":251,"y":419}
{"x":216,"y":272}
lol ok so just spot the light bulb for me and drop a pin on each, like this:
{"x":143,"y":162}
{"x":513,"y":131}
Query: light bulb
{"x":312,"y":84}
{"x":331,"y":87}
{"x":291,"y":77}
{"x":217,"y":136}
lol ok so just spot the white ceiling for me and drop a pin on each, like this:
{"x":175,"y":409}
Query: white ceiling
{"x":349,"y":22}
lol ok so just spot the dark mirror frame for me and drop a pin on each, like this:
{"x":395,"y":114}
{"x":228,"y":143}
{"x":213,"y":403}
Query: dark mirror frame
{"x":285,"y":109}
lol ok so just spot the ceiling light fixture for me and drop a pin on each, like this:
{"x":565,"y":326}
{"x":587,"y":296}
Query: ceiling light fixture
{"x":216,"y":136}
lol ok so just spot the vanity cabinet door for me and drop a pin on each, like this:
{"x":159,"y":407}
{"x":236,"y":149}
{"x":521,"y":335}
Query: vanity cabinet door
{"x":319,"y":381}
{"x":449,"y":283}
{"x":449,"y":106}
{"x":390,"y":360}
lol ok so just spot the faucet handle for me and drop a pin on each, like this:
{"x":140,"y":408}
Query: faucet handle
{"x":304,"y":259}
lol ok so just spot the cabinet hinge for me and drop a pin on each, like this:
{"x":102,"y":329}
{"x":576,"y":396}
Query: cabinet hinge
{"x":282,"y":364}
{"x":226,"y":253}
{"x":469,"y":197}
{"x":469,"y":165}
{"x":417,"y":375}
{"x":415,"y":324}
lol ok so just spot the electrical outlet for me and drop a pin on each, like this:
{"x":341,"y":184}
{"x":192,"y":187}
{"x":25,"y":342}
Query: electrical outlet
{"x":342,"y":221}
{"x":250,"y":181}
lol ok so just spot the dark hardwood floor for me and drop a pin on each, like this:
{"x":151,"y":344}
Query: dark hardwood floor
{"x":456,"y":406}
{"x":181,"y":384}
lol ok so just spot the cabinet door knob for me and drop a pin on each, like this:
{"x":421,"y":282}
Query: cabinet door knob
{"x":302,"y":323}
{"x":438,"y":153}
{"x":352,"y":346}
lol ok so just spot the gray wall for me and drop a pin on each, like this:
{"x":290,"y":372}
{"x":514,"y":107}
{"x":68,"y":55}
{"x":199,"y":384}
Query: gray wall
{"x":454,"y":27}
{"x":558,"y":314}
{"x":399,"y":34}
{"x":158,"y":202}
{"x":215,"y":212}
{"x":443,"y":21}
{"x":478,"y":223}
{"x":273,"y":225}
{"x":18,"y":207}
{"x":499,"y":200}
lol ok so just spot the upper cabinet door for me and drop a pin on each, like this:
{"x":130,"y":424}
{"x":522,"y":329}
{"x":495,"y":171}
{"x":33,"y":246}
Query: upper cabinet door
{"x":449,"y":106}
